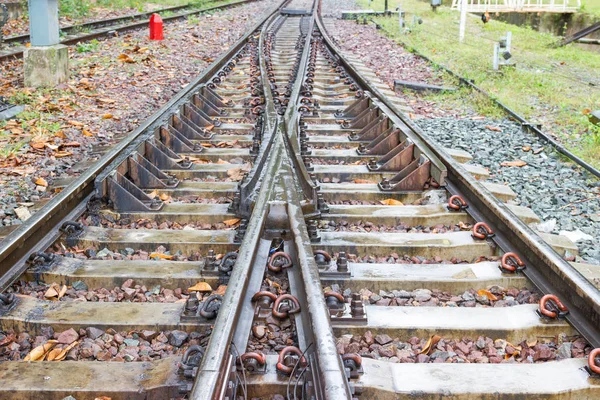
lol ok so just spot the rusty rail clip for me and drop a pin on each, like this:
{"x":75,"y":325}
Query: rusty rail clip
{"x":551,"y":307}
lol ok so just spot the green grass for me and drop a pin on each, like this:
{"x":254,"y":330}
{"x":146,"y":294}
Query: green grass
{"x":591,"y":6}
{"x":87,"y":47}
{"x":84,"y":8}
{"x":549,"y":85}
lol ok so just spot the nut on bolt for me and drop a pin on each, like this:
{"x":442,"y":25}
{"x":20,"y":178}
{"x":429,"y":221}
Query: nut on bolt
{"x":342,"y":262}
{"x":357,"y":309}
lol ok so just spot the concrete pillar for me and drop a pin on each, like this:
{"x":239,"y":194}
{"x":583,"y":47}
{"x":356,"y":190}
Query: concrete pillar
{"x":46,"y":62}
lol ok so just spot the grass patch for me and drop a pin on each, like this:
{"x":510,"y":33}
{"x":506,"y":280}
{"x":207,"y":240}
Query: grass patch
{"x":87,"y":47}
{"x":551,"y":86}
{"x":84,"y":8}
{"x":590,"y":6}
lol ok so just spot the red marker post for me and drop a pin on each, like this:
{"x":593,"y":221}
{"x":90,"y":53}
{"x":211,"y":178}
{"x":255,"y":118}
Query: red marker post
{"x":156,"y":27}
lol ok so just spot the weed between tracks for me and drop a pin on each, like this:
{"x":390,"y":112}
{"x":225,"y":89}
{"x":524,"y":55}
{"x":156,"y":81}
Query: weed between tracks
{"x":556,"y":87}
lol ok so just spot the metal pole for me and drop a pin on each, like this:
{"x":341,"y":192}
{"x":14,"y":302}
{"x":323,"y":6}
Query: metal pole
{"x":43,"y":22}
{"x":400,"y":19}
{"x":496,"y":56}
{"x":463,"y":20}
{"x":386,"y":6}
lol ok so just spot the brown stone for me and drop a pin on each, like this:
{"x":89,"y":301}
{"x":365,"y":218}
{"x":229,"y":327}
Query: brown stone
{"x":383,"y":339}
{"x":68,"y":337}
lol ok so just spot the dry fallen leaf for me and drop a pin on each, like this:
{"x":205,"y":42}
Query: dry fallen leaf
{"x":526,"y":148}
{"x":516,"y":163}
{"x":487,"y":294}
{"x":221,"y":290}
{"x":433,"y":340}
{"x":363,"y":181}
{"x":493,"y":128}
{"x":87,"y":133}
{"x":62,"y":292}
{"x":107,"y":116}
{"x":52,"y":354}
{"x":75,"y":123}
{"x":391,"y":202}
{"x":200,"y":287}
{"x":161,"y":256}
{"x":51,"y":292}
{"x":232,"y":222}
{"x":41,"y":182}
{"x":61,"y":154}
{"x":164,"y":197}
{"x":39,"y":353}
{"x":37,"y":145}
{"x":65,"y":351}
{"x":126,"y":59}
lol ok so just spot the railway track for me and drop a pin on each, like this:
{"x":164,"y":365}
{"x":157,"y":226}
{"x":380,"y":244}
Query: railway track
{"x":13,"y":46}
{"x":281,"y":230}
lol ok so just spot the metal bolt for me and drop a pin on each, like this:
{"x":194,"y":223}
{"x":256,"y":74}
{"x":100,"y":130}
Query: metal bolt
{"x":313,"y":232}
{"x":385,"y":184}
{"x":342,"y":262}
{"x":356,"y":306}
{"x":210,"y":260}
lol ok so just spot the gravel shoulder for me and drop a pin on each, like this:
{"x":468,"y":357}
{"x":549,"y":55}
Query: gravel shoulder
{"x":115,"y":84}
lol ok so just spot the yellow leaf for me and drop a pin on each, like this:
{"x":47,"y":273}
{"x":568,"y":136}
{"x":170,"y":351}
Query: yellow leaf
{"x":487,"y":294}
{"x":221,"y":162}
{"x":41,"y":182}
{"x":51,"y":292}
{"x":200,"y":287}
{"x":164,"y":197}
{"x":62,"y":292}
{"x":232,"y":222}
{"x":87,"y":133}
{"x":126,"y":59}
{"x":61,"y":154}
{"x":516,"y":163}
{"x":107,"y":116}
{"x":430,"y":344}
{"x":221,"y":290}
{"x":161,"y":256}
{"x":75,"y":123}
{"x":391,"y":202}
{"x":37,"y":145}
{"x":39,"y":353}
{"x":52,"y":354}
{"x":65,"y":351}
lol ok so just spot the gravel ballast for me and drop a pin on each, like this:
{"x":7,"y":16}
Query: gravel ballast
{"x":564,"y":196}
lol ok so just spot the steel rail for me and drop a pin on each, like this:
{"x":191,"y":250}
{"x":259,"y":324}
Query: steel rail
{"x":129,"y":27}
{"x":545,"y":267}
{"x":16,"y":247}
{"x":211,"y":378}
{"x":528,"y":126}
{"x":102,"y":22}
{"x":331,"y":368}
